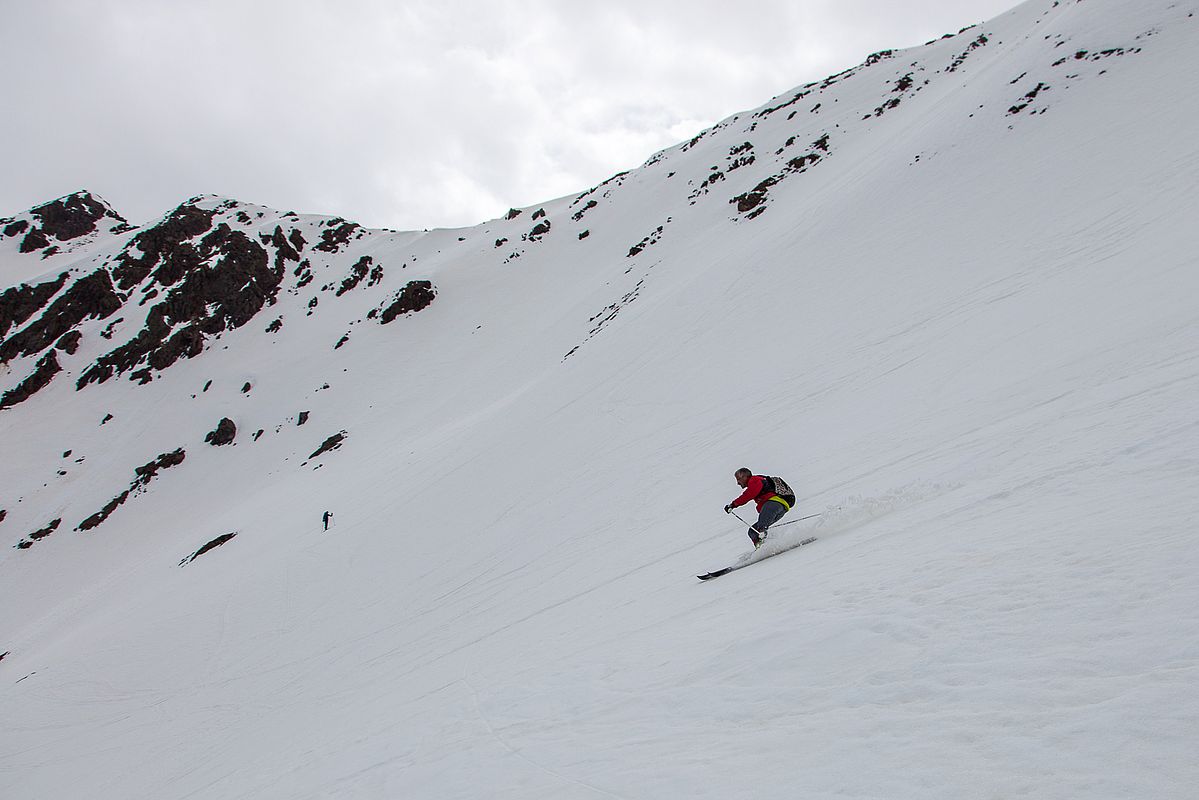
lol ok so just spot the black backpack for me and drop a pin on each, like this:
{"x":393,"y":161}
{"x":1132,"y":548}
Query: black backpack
{"x":779,"y":487}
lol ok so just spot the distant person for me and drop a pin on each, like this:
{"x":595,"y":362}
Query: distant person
{"x":327,"y":518}
{"x":773,"y":496}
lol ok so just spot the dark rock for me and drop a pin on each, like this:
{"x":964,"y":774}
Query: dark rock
{"x":19,"y":303}
{"x":217,"y":542}
{"x":584,"y":234}
{"x":110,"y":327}
{"x":45,"y":371}
{"x":1028,"y":98}
{"x":337,"y":234}
{"x":16,"y":228}
{"x":275,"y":326}
{"x":92,"y":296}
{"x":72,"y":216}
{"x":164,"y":461}
{"x":341,"y":341}
{"x":46,"y":531}
{"x":107,"y":417}
{"x":69,"y":343}
{"x":752,"y":200}
{"x":765,"y":112}
{"x":246,"y":388}
{"x":652,"y":239}
{"x":332,"y":443}
{"x":415,"y":296}
{"x":145,"y":474}
{"x":96,"y":519}
{"x":237,"y":282}
{"x":303,"y":418}
{"x":33,"y":241}
{"x":167,"y":245}
{"x":224,"y":434}
{"x":357,"y":273}
{"x":512,"y":214}
{"x":578,"y":215}
{"x":981,"y":41}
{"x":283,"y":248}
{"x":258,"y":435}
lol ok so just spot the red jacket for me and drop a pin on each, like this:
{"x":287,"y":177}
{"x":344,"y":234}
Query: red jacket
{"x":754,"y":490}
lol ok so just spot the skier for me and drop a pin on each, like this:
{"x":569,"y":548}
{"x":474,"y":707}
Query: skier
{"x":771,"y":507}
{"x":327,"y":517}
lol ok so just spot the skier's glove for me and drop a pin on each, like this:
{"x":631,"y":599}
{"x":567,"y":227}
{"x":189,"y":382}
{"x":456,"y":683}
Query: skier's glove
{"x":728,"y":509}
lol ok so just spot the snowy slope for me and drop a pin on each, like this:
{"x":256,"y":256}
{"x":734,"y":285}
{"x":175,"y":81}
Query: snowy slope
{"x":962,"y":325}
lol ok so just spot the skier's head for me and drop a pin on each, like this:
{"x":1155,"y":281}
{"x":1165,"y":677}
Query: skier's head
{"x":743,"y":475}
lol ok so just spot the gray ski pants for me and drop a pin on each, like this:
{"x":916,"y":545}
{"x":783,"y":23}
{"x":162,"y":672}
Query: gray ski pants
{"x":772,"y":511}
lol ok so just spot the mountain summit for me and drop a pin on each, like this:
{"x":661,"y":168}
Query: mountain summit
{"x":295,"y":508}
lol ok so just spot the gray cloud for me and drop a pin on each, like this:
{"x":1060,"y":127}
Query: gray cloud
{"x":405,"y":115}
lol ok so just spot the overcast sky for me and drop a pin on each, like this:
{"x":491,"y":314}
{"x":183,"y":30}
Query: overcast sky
{"x":402,"y":114}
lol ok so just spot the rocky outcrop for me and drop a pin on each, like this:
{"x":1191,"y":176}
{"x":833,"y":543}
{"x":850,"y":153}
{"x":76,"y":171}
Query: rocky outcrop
{"x":90,"y":297}
{"x":357,"y":273}
{"x":219,"y":284}
{"x":415,"y":296}
{"x":224,"y":434}
{"x":72,"y":216}
{"x":19,"y":303}
{"x":215,"y":543}
{"x":284,"y":247}
{"x":337,"y":234}
{"x":45,"y":371}
{"x":167,"y":245}
{"x":144,"y":474}
{"x":69,"y":342}
{"x":39,"y":534}
{"x":330,"y":444}
{"x":61,"y":220}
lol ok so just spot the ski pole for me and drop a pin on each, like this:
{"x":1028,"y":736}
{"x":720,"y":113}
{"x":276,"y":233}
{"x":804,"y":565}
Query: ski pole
{"x":792,"y":522}
{"x":743,"y":522}
{"x":801,"y":519}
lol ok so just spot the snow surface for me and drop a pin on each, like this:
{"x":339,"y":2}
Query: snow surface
{"x":969,"y":337}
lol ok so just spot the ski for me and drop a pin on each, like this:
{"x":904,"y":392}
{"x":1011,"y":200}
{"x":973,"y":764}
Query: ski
{"x":717,"y":573}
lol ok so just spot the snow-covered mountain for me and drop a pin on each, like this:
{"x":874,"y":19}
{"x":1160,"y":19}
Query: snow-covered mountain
{"x":949,"y":294}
